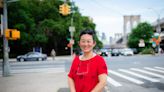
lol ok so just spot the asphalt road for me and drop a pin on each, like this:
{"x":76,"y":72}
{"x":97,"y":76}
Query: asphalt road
{"x":126,"y":73}
{"x":136,"y":73}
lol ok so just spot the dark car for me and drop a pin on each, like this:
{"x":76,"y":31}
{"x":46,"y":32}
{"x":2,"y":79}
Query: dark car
{"x":32,"y":56}
{"x":103,"y":52}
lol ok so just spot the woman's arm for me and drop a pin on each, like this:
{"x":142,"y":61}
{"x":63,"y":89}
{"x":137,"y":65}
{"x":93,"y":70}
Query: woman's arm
{"x":71,"y":84}
{"x":102,"y":83}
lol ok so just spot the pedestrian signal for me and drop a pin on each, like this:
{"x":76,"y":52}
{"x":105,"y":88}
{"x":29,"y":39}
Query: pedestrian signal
{"x":8,"y":33}
{"x":12,"y":34}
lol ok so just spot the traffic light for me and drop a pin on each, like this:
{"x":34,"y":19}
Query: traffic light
{"x":64,"y":9}
{"x":15,"y":34}
{"x":68,"y":8}
{"x":1,"y":6}
{"x":61,"y":9}
{"x":12,"y":34}
{"x":8,"y":33}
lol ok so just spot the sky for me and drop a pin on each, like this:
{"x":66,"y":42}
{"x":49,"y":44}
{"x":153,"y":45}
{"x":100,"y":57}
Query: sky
{"x":108,"y":14}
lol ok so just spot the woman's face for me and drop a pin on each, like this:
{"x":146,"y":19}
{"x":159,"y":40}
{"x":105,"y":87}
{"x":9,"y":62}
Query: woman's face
{"x":86,"y":43}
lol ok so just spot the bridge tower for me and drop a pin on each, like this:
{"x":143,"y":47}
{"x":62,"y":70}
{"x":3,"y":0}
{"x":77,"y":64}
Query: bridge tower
{"x":132,"y":19}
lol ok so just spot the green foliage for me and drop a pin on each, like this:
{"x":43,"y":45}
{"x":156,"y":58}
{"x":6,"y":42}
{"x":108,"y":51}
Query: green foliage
{"x":41,"y":24}
{"x":142,"y":31}
{"x":148,"y":51}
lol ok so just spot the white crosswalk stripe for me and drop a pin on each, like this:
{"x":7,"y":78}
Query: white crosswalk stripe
{"x":126,"y":77}
{"x":113,"y":82}
{"x":139,"y":75}
{"x":152,"y":69}
{"x":159,"y":68}
{"x":147,"y":72}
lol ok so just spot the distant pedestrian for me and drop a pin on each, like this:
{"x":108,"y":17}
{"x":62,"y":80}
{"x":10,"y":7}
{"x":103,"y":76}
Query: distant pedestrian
{"x":53,"y":54}
{"x":88,"y":72}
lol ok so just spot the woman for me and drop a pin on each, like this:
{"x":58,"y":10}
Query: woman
{"x":88,"y":72}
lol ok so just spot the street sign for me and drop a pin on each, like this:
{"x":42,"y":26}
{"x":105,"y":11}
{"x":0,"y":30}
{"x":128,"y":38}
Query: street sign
{"x":141,"y":43}
{"x":72,"y":41}
{"x":71,"y":29}
{"x":154,"y":44}
{"x":156,"y":38}
{"x":156,"y":35}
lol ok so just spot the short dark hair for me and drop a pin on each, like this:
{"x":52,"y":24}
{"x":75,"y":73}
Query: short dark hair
{"x":90,"y":32}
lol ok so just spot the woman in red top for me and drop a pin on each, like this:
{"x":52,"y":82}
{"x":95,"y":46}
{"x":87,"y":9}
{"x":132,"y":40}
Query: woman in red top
{"x":88,"y":72}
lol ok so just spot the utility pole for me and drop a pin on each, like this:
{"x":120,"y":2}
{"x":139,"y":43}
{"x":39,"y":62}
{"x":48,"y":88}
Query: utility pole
{"x":6,"y":66}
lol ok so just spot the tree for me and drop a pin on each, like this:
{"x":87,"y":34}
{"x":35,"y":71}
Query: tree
{"x":41,"y":25}
{"x":142,"y":31}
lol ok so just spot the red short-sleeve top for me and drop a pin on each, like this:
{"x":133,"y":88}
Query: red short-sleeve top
{"x":85,"y":73}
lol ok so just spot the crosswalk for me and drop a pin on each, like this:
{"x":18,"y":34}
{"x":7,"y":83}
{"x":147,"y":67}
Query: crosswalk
{"x":136,"y":75}
{"x":37,"y":70}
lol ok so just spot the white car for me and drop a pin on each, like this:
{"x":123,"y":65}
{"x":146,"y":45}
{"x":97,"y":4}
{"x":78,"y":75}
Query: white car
{"x":127,"y":52}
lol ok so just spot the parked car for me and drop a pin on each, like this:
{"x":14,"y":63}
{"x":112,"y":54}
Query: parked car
{"x":32,"y":56}
{"x":135,"y":51}
{"x":127,"y":52}
{"x":103,"y":52}
{"x":115,"y":52}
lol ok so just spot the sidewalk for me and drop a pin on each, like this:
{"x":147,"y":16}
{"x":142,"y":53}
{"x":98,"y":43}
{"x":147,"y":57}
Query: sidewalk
{"x":34,"y":82}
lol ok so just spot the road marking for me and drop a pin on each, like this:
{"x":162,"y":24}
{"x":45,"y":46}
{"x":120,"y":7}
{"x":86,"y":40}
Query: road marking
{"x":159,"y":68}
{"x":113,"y":82}
{"x":147,"y":72}
{"x":156,"y":70}
{"x":126,"y":77}
{"x":139,"y":75}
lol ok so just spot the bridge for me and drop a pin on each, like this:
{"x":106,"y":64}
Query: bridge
{"x":121,"y":44}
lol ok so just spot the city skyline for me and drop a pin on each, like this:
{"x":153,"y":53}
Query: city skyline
{"x":108,"y":14}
